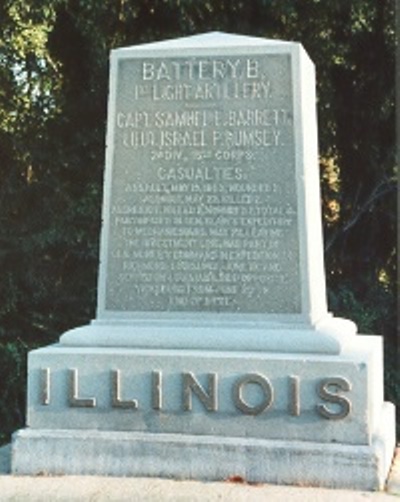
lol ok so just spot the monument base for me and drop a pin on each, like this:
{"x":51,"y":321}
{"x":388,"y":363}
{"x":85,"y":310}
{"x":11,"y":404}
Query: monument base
{"x":209,"y":415}
{"x":208,"y":458}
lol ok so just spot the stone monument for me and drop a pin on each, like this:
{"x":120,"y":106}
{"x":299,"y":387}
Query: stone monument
{"x":212,"y":353}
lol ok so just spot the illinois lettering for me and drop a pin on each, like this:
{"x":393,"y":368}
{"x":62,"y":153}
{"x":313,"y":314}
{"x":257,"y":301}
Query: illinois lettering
{"x":252,"y":393}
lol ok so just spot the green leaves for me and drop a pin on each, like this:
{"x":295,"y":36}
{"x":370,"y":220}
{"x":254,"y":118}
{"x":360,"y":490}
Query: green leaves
{"x":12,"y":396}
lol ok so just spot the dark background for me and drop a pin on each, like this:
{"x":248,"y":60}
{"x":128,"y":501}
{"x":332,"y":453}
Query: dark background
{"x":53,"y":93}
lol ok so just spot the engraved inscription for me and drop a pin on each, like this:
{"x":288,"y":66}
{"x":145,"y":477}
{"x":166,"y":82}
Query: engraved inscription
{"x":203,"y":205}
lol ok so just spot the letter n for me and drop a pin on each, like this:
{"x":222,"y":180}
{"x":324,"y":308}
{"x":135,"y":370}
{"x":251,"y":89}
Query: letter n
{"x":207,"y":397}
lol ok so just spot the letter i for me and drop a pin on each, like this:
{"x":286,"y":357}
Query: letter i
{"x":45,"y":386}
{"x":156,"y":390}
{"x":294,"y":395}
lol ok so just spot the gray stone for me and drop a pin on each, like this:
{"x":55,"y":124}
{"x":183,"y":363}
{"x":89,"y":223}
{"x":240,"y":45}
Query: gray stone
{"x":101,"y":489}
{"x":211,"y":218}
{"x":212,"y":353}
{"x":203,"y":205}
{"x":183,"y":456}
{"x":145,"y":390}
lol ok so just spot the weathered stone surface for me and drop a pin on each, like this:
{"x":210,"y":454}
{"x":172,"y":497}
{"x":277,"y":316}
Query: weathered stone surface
{"x":206,"y":457}
{"x":203,"y":200}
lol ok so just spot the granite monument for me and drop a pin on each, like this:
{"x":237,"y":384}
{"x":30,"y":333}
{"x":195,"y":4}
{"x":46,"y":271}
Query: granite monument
{"x":212,"y":353}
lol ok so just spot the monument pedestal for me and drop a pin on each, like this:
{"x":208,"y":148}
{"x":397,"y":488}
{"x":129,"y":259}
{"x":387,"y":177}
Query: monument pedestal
{"x":274,"y":418}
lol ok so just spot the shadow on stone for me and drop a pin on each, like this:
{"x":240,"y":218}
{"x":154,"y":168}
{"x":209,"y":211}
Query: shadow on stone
{"x":5,"y":459}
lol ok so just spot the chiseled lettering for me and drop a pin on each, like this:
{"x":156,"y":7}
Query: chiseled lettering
{"x":73,"y":399}
{"x":325,"y":392}
{"x":233,"y":67}
{"x":147,"y":71}
{"x":252,"y":68}
{"x":208,"y":398}
{"x":132,"y":119}
{"x":294,"y":395}
{"x":45,"y":386}
{"x":238,"y":391}
{"x":117,"y":401}
{"x":156,"y":390}
{"x":201,"y":69}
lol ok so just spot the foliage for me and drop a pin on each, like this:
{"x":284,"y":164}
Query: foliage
{"x":13,"y":378}
{"x":53,"y":93}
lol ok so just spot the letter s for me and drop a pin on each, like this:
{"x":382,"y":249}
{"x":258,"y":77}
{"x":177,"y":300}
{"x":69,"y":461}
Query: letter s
{"x":325,"y":392}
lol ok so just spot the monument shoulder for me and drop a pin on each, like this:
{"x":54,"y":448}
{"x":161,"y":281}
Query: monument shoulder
{"x":329,"y":336}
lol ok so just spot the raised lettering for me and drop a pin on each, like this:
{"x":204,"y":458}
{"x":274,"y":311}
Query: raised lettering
{"x":327,"y":390}
{"x":45,"y":386}
{"x":191,"y":386}
{"x":156,"y":390}
{"x":116,"y":400}
{"x":294,"y":395}
{"x":253,"y":379}
{"x":73,"y":399}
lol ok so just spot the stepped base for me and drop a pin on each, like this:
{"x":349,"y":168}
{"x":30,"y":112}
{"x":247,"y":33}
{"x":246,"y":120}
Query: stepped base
{"x":206,"y":458}
{"x":309,"y":419}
